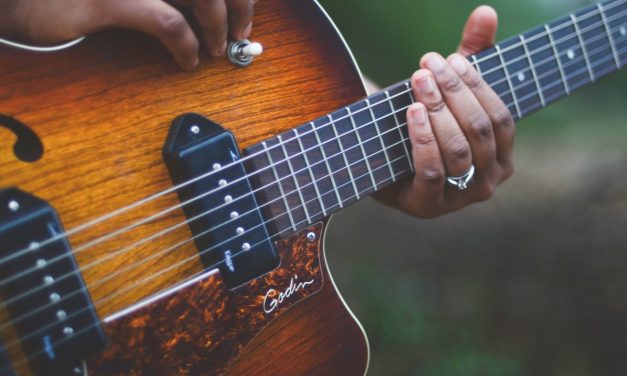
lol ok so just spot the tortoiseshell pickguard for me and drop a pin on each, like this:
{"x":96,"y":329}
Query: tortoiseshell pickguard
{"x":202,"y":327}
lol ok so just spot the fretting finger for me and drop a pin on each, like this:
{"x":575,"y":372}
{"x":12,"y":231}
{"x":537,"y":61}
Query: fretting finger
{"x":429,"y":175}
{"x":453,"y":144}
{"x":470,"y":115}
{"x":501,"y":118}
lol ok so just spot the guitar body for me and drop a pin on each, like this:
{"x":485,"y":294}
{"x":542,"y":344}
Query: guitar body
{"x":102,"y":110}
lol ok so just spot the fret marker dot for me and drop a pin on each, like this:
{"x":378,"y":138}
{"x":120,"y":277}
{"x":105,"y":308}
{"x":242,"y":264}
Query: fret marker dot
{"x":234,"y":214}
{"x":54,"y":297}
{"x":68,"y":331}
{"x":623,"y":31}
{"x":239,"y":230}
{"x":14,"y":205}
{"x":228,"y":198}
{"x":245,"y":246}
{"x":222,"y":183}
{"x":521,"y":76}
{"x":570,"y":54}
{"x":61,"y":315}
{"x":48,"y":280}
{"x":41,"y":263}
{"x":33,"y":246}
{"x":217,"y":166}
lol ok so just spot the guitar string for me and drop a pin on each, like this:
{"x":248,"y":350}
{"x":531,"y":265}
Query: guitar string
{"x":167,"y":230}
{"x":101,"y":239}
{"x":150,"y":218}
{"x":162,"y":232}
{"x":592,"y":13}
{"x":140,"y":282}
{"x":189,"y":279}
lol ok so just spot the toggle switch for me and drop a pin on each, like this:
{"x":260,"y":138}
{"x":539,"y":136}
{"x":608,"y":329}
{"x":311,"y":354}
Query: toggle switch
{"x":242,"y":53}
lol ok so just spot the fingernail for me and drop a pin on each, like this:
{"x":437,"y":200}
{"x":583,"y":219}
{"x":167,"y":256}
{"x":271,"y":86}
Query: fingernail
{"x":459,"y":65}
{"x":426,"y":84}
{"x":247,"y":30}
{"x":223,"y":48}
{"x":435,"y":64}
{"x":418,"y":115}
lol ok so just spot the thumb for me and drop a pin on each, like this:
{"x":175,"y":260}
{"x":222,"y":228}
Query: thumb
{"x":479,"y":32}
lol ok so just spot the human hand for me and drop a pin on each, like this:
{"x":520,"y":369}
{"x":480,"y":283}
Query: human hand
{"x":458,"y":121}
{"x":53,"y":21}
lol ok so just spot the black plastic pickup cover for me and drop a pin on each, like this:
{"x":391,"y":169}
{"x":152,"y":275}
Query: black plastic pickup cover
{"x":42,"y":287}
{"x":224,"y":218}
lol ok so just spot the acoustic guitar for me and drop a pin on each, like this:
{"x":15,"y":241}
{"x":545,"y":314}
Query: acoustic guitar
{"x":155,"y":221}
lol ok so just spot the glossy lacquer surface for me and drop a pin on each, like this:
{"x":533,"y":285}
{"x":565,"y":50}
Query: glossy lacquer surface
{"x":102,"y":110}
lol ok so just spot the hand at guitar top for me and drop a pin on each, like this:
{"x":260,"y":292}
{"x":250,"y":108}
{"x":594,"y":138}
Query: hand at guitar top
{"x":459,"y":123}
{"x":52,"y":21}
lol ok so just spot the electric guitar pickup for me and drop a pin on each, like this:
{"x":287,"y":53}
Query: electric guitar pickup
{"x":154,"y":221}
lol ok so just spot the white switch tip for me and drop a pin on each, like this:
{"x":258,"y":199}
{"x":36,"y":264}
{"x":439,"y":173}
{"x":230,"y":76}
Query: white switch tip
{"x":253,"y":49}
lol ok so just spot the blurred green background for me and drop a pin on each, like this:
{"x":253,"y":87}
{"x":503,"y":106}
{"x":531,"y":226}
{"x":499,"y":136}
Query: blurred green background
{"x":532,"y":282}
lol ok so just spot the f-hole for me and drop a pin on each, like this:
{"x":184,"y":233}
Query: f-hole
{"x":28,"y":147}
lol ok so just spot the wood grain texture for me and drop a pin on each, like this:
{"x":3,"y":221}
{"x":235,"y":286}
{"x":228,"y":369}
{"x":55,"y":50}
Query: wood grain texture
{"x":103,"y":110}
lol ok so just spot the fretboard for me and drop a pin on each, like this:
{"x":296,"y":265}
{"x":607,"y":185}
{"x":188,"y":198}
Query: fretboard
{"x":306,"y":174}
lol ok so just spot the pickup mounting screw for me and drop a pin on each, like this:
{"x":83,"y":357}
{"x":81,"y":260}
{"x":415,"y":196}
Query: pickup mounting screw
{"x":311,"y":236}
{"x":194,"y":129}
{"x":14,"y":205}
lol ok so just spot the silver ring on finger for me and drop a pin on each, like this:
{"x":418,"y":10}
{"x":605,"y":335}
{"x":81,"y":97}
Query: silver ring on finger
{"x":461,"y":182}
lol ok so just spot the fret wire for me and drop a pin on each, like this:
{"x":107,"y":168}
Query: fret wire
{"x":266,"y":146}
{"x":587,"y":15}
{"x":339,"y":142}
{"x":326,"y":162}
{"x":476,"y":64}
{"x":398,"y":127}
{"x":509,"y":80}
{"x":124,"y":209}
{"x":298,"y":188}
{"x":361,"y":145}
{"x":583,"y":46}
{"x":79,"y":228}
{"x":376,"y":127}
{"x":533,"y":70}
{"x":308,"y":167}
{"x":557,"y":57}
{"x":606,"y":26}
{"x":236,"y":254}
{"x":276,"y":176}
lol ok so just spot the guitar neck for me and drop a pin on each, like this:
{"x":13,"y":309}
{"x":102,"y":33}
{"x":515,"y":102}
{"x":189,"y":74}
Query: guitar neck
{"x":313,"y":170}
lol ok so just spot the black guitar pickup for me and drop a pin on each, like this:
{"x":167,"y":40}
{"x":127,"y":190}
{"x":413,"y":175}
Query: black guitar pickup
{"x":218,"y":200}
{"x":42,"y":287}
